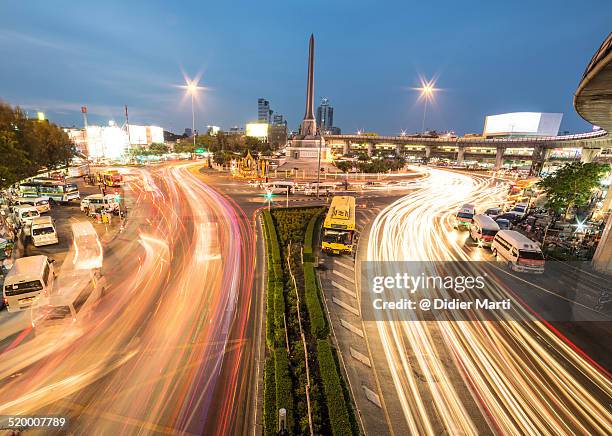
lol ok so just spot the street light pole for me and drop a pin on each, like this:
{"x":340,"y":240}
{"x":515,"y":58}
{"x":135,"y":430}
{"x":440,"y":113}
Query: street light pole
{"x":193,"y":123}
{"x":424,"y":114}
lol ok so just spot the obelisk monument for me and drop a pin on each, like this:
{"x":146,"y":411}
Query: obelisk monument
{"x":307,"y":151}
{"x":309,"y":124}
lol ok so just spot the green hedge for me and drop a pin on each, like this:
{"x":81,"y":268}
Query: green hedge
{"x":318,"y":323}
{"x":310,"y":237}
{"x":269,"y":413}
{"x":284,"y":390}
{"x":332,"y":387}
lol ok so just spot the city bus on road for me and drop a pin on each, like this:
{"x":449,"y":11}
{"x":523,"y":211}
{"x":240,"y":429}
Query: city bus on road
{"x":57,"y":191}
{"x":339,"y":226}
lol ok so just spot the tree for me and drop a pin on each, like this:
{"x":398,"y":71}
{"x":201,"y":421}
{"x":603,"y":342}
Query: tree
{"x":17,"y":167}
{"x":29,"y":146}
{"x":343,"y":165}
{"x":184,"y":146}
{"x":572,"y":185}
{"x":158,"y":148}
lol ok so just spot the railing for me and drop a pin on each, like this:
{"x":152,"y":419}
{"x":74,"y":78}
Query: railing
{"x":522,"y":140}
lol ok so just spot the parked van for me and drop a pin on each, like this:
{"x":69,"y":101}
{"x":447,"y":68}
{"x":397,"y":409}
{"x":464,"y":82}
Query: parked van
{"x":483,"y":230}
{"x":43,"y":231}
{"x":279,"y":187}
{"x":520,"y":252}
{"x":40,"y":203}
{"x":24,"y":215}
{"x":465,"y":216}
{"x":26,"y":280}
{"x":99,"y":202}
{"x":324,"y":188}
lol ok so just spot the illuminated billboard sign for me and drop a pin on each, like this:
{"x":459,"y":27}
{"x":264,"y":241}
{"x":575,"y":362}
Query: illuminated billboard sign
{"x":257,"y":130}
{"x":523,"y":124}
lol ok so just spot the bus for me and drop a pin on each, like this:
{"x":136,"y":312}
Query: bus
{"x":112,"y":178}
{"x":58,"y":191}
{"x":339,"y":226}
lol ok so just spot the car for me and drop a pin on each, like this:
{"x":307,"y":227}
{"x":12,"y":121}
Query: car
{"x":520,"y":209}
{"x":510,"y":216}
{"x":503,"y":223}
{"x":493,"y":212}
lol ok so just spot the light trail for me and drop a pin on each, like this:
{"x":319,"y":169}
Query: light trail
{"x":153,"y":355}
{"x":523,"y":377}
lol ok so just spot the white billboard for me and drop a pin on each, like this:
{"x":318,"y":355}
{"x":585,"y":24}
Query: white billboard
{"x":157,"y":134}
{"x":523,"y":124}
{"x":258,"y":130}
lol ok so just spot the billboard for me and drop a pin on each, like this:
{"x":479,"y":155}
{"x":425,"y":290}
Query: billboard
{"x":156,"y":134}
{"x":258,"y":130}
{"x":523,"y":124}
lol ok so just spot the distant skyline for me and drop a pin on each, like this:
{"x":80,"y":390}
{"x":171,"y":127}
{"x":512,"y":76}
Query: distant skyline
{"x":487,"y":58}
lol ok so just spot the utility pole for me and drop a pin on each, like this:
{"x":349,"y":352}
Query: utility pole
{"x":127,"y":125}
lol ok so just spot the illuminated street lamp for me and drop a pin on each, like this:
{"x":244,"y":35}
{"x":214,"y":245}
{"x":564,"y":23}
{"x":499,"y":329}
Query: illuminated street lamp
{"x":192,"y":89}
{"x":427,"y":90}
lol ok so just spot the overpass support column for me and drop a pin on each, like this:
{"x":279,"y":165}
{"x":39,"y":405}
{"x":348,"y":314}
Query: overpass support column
{"x":499,"y":157}
{"x":370,"y":149}
{"x":589,"y":154}
{"x":346,"y":148}
{"x":398,"y":149}
{"x":460,"y":154}
{"x":539,"y":156}
{"x":602,"y":261}
{"x":428,"y":151}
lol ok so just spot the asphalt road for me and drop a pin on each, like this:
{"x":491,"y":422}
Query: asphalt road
{"x":170,"y":346}
{"x":523,"y":375}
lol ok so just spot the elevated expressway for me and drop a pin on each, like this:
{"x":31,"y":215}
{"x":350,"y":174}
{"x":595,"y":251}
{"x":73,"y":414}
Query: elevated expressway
{"x":584,"y":146}
{"x":593,"y":102}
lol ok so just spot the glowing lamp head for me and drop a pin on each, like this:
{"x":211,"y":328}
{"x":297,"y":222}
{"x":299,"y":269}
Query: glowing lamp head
{"x":192,"y":87}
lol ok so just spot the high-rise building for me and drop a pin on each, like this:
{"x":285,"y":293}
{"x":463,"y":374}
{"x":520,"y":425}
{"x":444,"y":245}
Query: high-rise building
{"x":263,"y":110}
{"x":278,"y":120}
{"x":325,"y":115}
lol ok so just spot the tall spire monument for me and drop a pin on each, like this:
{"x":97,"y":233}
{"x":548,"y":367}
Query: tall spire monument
{"x":307,"y":151}
{"x":309,"y":124}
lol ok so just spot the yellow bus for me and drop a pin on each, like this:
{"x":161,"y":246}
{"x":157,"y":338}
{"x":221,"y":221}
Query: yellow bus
{"x":339,"y":226}
{"x":112,"y":178}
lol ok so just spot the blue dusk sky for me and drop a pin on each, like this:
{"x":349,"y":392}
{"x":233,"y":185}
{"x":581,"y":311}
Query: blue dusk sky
{"x":488,"y":57}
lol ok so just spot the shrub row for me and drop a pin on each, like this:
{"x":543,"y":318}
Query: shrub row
{"x":278,"y":392}
{"x":332,"y":387}
{"x":269,"y":413}
{"x":284,"y":390}
{"x":309,"y":238}
{"x":318,"y":323}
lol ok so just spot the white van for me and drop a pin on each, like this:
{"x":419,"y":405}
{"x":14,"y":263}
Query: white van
{"x":279,"y":187}
{"x":40,"y":203}
{"x":483,"y":230}
{"x":324,"y":188}
{"x":43,"y":231}
{"x":26,"y":280}
{"x":520,"y":252}
{"x":99,"y":202}
{"x":464,"y":217}
{"x":58,"y":312}
{"x":25,"y":214}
